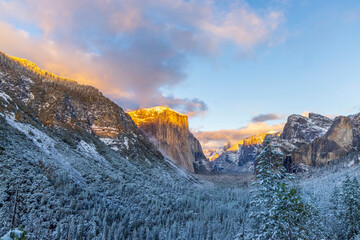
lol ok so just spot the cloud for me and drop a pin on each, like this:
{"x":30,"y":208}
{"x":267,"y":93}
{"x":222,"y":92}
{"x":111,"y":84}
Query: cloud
{"x":265,"y":117}
{"x":217,"y":139}
{"x":190,"y":107}
{"x":129,"y":49}
{"x":244,"y":27}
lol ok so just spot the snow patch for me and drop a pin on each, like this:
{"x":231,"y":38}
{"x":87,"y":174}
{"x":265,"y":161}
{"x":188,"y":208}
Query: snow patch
{"x":46,"y":144}
{"x":115,"y":148}
{"x":12,"y":234}
{"x":114,"y":143}
{"x":6,"y":97}
{"x":108,"y":141}
{"x":42,"y":140}
{"x":26,"y":79}
{"x":87,"y":148}
{"x":126,"y":142}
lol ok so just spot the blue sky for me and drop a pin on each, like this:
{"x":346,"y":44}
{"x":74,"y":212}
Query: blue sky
{"x":315,"y":69}
{"x":224,"y":63}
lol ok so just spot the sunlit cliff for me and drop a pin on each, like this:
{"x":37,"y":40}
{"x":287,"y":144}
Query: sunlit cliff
{"x":253,"y":140}
{"x":169,"y":132}
{"x":146,"y":115}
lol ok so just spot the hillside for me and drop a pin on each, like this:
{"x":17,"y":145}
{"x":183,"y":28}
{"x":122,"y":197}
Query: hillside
{"x":83,"y":170}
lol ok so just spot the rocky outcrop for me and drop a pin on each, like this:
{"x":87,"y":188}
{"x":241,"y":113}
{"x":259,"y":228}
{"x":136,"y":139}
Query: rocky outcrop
{"x":169,"y":132}
{"x":240,"y":157}
{"x":299,"y":129}
{"x":340,"y":142}
{"x":31,"y":94}
{"x":299,"y":132}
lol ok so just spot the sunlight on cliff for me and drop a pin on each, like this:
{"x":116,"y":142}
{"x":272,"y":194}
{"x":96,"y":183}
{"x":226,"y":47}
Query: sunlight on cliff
{"x":253,"y":140}
{"x":160,"y":113}
{"x":214,"y":157}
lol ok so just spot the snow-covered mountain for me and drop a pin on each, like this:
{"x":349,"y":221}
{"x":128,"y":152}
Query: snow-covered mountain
{"x":240,"y":157}
{"x":62,"y":104}
{"x":78,"y":167}
{"x":300,"y":130}
{"x":341,"y":142}
{"x":213,"y":154}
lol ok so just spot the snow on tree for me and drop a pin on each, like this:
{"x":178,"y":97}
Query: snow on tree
{"x":278,"y":211}
{"x":15,"y":234}
{"x":346,"y":209}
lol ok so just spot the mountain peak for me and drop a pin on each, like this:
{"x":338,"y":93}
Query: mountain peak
{"x":252,"y":140}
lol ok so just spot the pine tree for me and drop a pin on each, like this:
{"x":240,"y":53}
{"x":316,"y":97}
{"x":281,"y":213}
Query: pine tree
{"x":346,"y":208}
{"x":278,"y":210}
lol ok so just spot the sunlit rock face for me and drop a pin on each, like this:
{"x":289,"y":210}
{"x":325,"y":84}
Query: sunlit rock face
{"x":60,"y":103}
{"x":240,"y":157}
{"x":340,"y":142}
{"x":213,"y":154}
{"x":169,"y":132}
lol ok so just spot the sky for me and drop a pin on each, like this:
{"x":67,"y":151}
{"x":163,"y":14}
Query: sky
{"x":236,"y":68}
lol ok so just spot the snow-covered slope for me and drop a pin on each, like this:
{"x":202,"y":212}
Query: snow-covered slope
{"x":83,"y":170}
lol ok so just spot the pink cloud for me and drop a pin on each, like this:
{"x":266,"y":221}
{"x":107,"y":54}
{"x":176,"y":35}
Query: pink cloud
{"x":129,"y":49}
{"x":218,"y":139}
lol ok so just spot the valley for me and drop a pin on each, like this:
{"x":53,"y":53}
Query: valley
{"x":77,"y":166}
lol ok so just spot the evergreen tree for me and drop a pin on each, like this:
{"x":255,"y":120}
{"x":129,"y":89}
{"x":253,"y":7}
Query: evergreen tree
{"x":278,"y":209}
{"x":346,"y":208}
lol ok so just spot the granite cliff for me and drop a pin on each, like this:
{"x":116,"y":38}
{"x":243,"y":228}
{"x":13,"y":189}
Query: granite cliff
{"x":341,"y":142}
{"x":169,"y":132}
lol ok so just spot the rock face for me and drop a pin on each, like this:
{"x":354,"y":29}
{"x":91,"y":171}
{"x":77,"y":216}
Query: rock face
{"x":299,"y":129}
{"x":30,"y":93}
{"x":340,"y":142}
{"x":169,"y":132}
{"x":318,"y":140}
{"x":213,"y":154}
{"x":240,"y":157}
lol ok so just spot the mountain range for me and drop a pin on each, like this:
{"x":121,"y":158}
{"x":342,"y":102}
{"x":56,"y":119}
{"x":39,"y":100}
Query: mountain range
{"x":77,"y":166}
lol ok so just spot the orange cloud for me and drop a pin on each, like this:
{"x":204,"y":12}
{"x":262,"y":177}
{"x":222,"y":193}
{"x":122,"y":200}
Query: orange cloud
{"x":130,"y":50}
{"x":218,"y":139}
